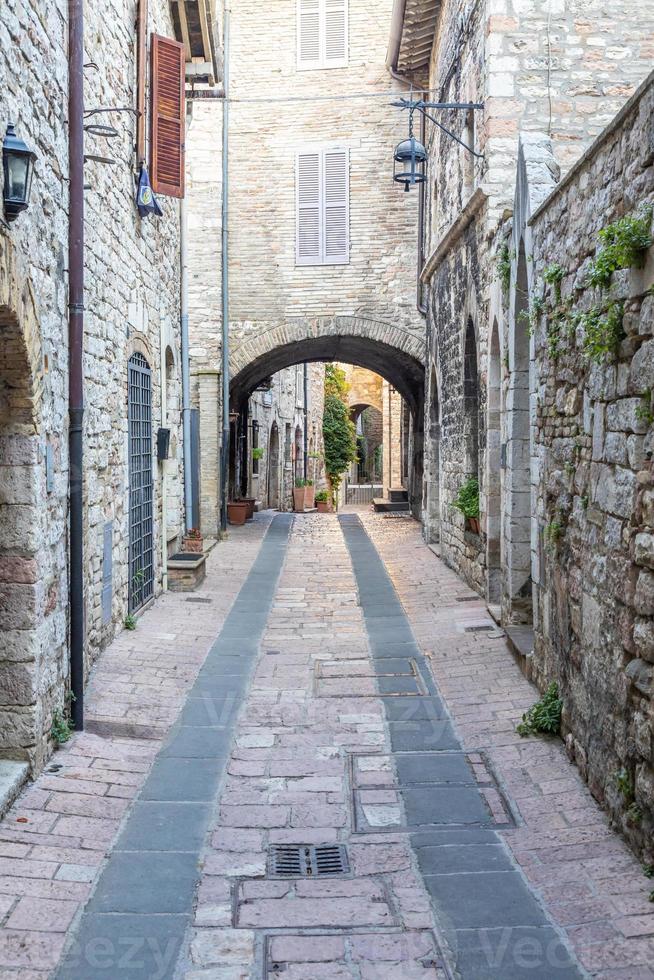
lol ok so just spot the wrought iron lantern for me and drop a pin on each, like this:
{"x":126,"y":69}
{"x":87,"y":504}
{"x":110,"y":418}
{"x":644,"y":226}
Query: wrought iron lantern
{"x":409,"y":159}
{"x":17,"y":167}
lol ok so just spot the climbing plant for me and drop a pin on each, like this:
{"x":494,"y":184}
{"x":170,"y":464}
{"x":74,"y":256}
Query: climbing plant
{"x":339,"y":432}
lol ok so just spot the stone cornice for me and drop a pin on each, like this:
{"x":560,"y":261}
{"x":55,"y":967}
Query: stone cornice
{"x":456,"y":229}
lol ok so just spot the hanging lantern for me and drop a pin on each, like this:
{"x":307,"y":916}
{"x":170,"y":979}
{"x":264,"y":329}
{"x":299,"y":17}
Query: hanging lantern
{"x":409,"y":159}
{"x":17,"y":167}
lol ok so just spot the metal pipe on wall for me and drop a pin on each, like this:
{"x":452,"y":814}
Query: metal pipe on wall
{"x":224,"y":451}
{"x":75,"y":352}
{"x":306,"y":420}
{"x":186,"y":381}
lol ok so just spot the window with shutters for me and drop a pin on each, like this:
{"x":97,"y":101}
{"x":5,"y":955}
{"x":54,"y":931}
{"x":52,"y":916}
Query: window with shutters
{"x":322,"y":207}
{"x":168,"y":116}
{"x":321,"y":34}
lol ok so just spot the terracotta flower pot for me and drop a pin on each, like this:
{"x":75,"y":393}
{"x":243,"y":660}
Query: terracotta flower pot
{"x":473,"y":524}
{"x":250,"y":501}
{"x":193,"y":545}
{"x":237,"y":511}
{"x":299,"y":494}
{"x":310,"y":496}
{"x":324,"y":506}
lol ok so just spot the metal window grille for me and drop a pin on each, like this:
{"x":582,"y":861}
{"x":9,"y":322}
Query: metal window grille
{"x":139,"y":406}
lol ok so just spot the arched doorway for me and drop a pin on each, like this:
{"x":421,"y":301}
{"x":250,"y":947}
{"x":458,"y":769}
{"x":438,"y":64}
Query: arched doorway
{"x":298,"y":454}
{"x":493,"y":494}
{"x":470,"y":403}
{"x":273,"y":467}
{"x":518,"y":517}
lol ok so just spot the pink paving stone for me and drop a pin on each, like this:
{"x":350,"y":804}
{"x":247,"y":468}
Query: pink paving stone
{"x":406,"y":946}
{"x":34,"y":950}
{"x":44,"y":915}
{"x":227,"y":839}
{"x":233,"y":863}
{"x":308,"y":912}
{"x":317,"y":815}
{"x":88,"y":828}
{"x":86,"y":806}
{"x":44,"y":888}
{"x":307,"y":949}
{"x":254,"y":816}
{"x":26,"y":868}
{"x":370,"y":859}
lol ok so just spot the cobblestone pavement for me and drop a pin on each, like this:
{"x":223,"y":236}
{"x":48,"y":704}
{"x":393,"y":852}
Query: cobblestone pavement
{"x":469,"y":851}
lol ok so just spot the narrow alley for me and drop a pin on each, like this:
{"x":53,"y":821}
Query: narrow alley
{"x":309,"y":768}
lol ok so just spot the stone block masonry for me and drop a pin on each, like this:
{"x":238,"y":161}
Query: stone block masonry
{"x":131,"y":304}
{"x":594,"y":480}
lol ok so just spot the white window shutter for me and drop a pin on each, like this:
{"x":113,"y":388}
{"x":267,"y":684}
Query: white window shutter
{"x":335,"y":33}
{"x":308,"y":208}
{"x":308,"y":33}
{"x":335,"y":196}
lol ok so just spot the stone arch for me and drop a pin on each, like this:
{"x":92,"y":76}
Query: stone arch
{"x":536,"y":176}
{"x":28,"y":594}
{"x":386,"y":349}
{"x":470,"y":401}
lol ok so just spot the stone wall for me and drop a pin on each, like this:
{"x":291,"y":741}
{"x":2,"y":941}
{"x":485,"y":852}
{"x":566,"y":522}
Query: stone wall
{"x":594,"y":444}
{"x":131,"y":300}
{"x":564,"y":69}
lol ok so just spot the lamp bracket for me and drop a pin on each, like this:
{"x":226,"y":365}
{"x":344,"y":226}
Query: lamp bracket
{"x":421,"y":105}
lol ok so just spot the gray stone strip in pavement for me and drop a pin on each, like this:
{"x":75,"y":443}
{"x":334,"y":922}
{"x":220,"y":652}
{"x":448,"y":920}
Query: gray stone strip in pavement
{"x":134,"y":923}
{"x":488,"y":916}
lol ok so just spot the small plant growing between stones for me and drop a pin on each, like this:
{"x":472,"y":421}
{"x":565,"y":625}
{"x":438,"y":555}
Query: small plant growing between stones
{"x":624,"y":785}
{"x":553,"y":275}
{"x":544,"y":717}
{"x":644,"y":411}
{"x":257,"y":453}
{"x":504,"y":268}
{"x":61,"y":728}
{"x":648,"y":870}
{"x":129,"y":622}
{"x":624,"y":244}
{"x":603,"y":331}
{"x":585,"y":501}
{"x":552,"y":533}
{"x":634,"y":814}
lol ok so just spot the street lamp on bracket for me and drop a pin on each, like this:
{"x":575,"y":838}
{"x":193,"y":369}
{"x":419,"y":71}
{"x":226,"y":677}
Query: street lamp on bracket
{"x":410,"y":156}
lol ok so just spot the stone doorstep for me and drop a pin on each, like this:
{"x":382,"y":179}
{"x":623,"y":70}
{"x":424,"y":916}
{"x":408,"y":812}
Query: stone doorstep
{"x":13,"y":776}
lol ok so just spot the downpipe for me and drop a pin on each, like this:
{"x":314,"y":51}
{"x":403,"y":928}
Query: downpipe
{"x":186,"y":381}
{"x":224,"y":449}
{"x":75,"y":350}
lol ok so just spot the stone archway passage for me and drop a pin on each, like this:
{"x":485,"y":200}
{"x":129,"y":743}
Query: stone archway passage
{"x":389,"y":351}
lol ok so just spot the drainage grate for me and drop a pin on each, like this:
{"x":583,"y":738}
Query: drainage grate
{"x":467,"y":598}
{"x":198,"y":598}
{"x":479,"y":629}
{"x":307,"y":861}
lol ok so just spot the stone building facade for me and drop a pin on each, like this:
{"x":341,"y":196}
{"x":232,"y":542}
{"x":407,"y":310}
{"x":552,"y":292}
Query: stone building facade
{"x":564,"y":69}
{"x":591,"y":441}
{"x":284,"y":307}
{"x":132,"y":289}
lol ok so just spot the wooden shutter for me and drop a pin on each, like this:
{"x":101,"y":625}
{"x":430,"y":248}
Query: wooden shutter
{"x":168,"y":116}
{"x":308,"y":33}
{"x":335,"y":197}
{"x":335,"y":33}
{"x":308,"y":200}
{"x":322,"y":219}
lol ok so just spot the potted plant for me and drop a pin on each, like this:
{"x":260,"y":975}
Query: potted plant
{"x":467,"y":501}
{"x":323,"y":503}
{"x":309,"y":494}
{"x":237,"y":511}
{"x":250,"y":501}
{"x":299,"y":492}
{"x":192,"y":541}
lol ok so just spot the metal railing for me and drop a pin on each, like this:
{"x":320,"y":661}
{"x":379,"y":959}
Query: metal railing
{"x":361,"y":493}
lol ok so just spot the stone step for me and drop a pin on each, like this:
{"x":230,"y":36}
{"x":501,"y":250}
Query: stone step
{"x":397,"y":494}
{"x":13,"y":776}
{"x":383,"y":505}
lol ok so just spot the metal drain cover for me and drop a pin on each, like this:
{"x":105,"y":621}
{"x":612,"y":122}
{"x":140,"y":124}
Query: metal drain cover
{"x":307,"y":860}
{"x":481,"y":628}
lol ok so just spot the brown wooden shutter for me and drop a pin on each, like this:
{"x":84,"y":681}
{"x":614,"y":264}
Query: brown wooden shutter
{"x":168,"y":116}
